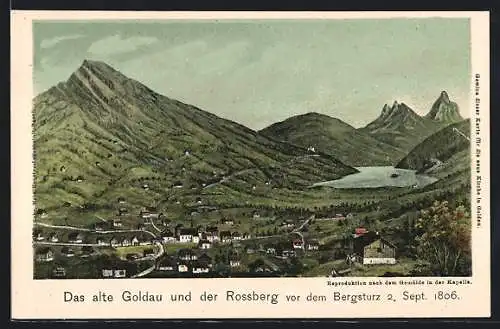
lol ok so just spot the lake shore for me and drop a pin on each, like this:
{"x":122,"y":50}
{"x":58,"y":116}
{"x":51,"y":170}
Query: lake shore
{"x":380,"y":176}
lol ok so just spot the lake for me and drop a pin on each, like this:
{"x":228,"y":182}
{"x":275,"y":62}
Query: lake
{"x":371,"y":177}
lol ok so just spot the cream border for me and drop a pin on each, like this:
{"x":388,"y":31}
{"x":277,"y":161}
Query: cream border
{"x":43,"y":299}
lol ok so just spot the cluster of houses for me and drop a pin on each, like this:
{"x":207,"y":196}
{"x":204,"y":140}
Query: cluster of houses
{"x":122,"y":239}
{"x":204,"y":237}
{"x":288,"y":250}
{"x":189,"y":261}
{"x":47,"y":254}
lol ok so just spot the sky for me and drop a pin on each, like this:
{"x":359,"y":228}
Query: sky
{"x":257,"y":72}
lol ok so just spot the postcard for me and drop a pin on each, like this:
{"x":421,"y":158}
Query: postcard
{"x":212,"y":165}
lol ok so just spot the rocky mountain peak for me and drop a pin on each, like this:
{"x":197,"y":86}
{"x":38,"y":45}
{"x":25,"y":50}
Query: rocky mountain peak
{"x":444,"y":110}
{"x":444,"y":97}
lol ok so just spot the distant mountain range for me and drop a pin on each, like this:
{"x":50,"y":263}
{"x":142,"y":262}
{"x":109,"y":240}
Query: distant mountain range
{"x":400,"y":126}
{"x":101,"y":133}
{"x":335,"y":137}
{"x":383,"y":141}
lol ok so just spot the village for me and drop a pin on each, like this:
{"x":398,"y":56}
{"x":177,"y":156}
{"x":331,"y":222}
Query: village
{"x":157,"y":247}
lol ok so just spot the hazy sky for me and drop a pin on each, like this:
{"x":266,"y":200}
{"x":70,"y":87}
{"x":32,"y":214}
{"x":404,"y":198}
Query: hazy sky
{"x":260,"y":72}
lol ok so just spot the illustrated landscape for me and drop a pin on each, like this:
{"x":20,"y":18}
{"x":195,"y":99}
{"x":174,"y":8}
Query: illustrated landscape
{"x":130,"y":183}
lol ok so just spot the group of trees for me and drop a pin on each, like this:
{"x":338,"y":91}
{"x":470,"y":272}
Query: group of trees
{"x":443,"y":238}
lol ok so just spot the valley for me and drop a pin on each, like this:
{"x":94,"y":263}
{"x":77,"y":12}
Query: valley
{"x":131,"y":183}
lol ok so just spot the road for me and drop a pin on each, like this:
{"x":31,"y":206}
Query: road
{"x":64,"y":227}
{"x":301,"y":157}
{"x":152,"y":267}
{"x":99,"y":217}
{"x":225,"y":179}
{"x":154,"y":226}
{"x":74,"y":228}
{"x":45,"y":243}
{"x":298,"y":229}
{"x":461,"y":134}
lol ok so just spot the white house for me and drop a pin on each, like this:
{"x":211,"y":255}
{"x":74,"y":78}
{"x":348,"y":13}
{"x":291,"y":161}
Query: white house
{"x":53,"y":237}
{"x":68,"y":252}
{"x":168,"y":237}
{"x":225,"y":237}
{"x":205,"y":244}
{"x":182,"y":268}
{"x":199,"y":268}
{"x":313,"y":245}
{"x":212,"y":238}
{"x":39,"y":236}
{"x":271,"y":251}
{"x":114,"y":242}
{"x":298,"y":244}
{"x":45,"y":255}
{"x":234,"y":261}
{"x":135,"y":241}
{"x":187,"y":255}
{"x":212,"y":234}
{"x":228,"y":222}
{"x":186,"y":235}
{"x":100,"y":241}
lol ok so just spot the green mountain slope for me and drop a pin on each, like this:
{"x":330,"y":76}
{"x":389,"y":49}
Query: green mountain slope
{"x":445,"y":151}
{"x":100,"y":135}
{"x":335,"y":137}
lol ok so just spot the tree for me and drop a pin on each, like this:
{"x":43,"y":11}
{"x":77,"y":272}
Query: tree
{"x":444,"y":239}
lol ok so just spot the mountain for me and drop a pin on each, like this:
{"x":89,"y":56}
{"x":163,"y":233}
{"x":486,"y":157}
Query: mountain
{"x":335,"y":137}
{"x":445,"y":151}
{"x":444,"y":110}
{"x":399,"y":126}
{"x":100,"y":135}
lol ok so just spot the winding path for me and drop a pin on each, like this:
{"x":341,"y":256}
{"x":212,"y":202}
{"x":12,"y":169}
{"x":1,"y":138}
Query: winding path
{"x":152,"y":267}
{"x":45,"y":243}
{"x":74,"y":228}
{"x":298,"y":229}
{"x":154,"y":226}
{"x":225,"y":179}
{"x":461,"y":134}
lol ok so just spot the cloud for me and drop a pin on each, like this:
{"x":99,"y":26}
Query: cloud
{"x":49,"y":43}
{"x":116,"y":45}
